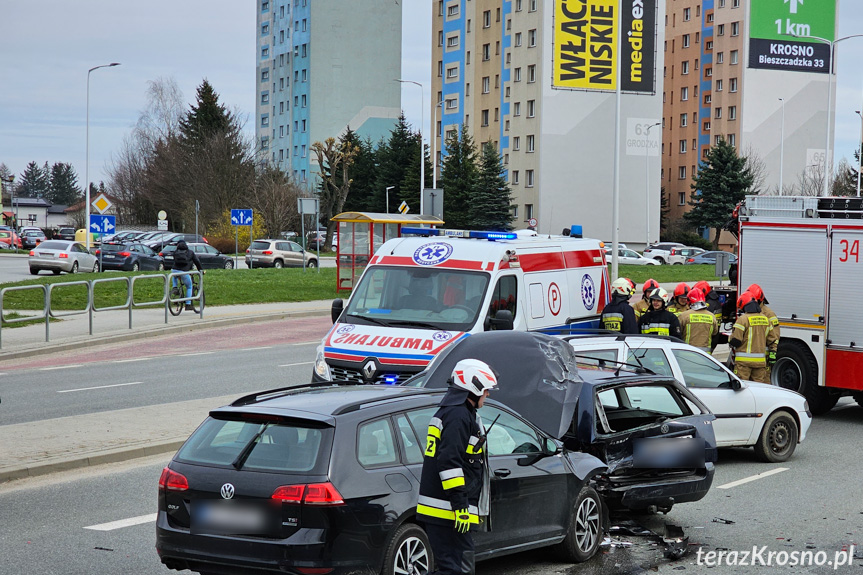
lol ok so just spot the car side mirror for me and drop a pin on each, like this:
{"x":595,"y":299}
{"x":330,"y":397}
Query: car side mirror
{"x":736,"y":384}
{"x":336,"y":310}
{"x":502,"y":320}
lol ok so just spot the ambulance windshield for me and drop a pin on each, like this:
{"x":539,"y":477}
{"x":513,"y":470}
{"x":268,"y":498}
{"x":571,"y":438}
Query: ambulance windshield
{"x":419,"y":298}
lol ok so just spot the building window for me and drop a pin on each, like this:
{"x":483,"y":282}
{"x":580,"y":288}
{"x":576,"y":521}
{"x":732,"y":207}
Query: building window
{"x":720,"y":30}
{"x":734,"y":56}
{"x":732,"y":112}
{"x":304,"y":100}
{"x":707,"y":126}
{"x":708,"y":45}
{"x":531,"y":73}
{"x":735,"y":28}
{"x":516,"y":109}
{"x":439,"y":68}
{"x":440,"y":38}
{"x":733,"y":84}
{"x":516,"y":143}
{"x":451,"y":104}
{"x":452,"y":41}
{"x":486,"y":52}
{"x":496,"y":115}
{"x":452,"y":72}
{"x":452,"y":10}
{"x":716,"y":140}
{"x":531,"y":38}
{"x":516,"y":75}
{"x":531,"y":108}
{"x":717,"y":113}
{"x":518,"y":39}
{"x":710,"y":18}
{"x":720,"y":57}
{"x":718,"y":85}
{"x":681,"y":173}
{"x":684,"y":94}
{"x":440,"y":8}
{"x":722,"y":3}
{"x":485,"y":85}
{"x":684,"y":67}
{"x":532,"y":6}
{"x":531,"y":143}
{"x":514,"y":178}
{"x":265,"y":6}
{"x":735,"y":3}
{"x":687,"y":14}
{"x":265,"y":98}
{"x":518,"y":5}
{"x":686,"y":40}
{"x":708,"y":72}
{"x":732,"y":140}
{"x":265,"y":52}
{"x":484,"y":116}
{"x":497,"y":81}
{"x":681,"y":198}
{"x":684,"y":120}
{"x":529,"y":178}
{"x":682,"y":146}
{"x":467,"y":89}
{"x":486,"y":19}
{"x":265,"y":75}
{"x":265,"y":28}
{"x":707,"y":99}
{"x":265,"y":143}
{"x":265,"y":121}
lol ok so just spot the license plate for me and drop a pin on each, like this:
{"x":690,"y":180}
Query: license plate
{"x":46,"y":255}
{"x":228,"y":517}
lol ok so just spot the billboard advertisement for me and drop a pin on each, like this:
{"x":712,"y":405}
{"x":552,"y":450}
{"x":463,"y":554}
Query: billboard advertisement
{"x":593,"y":37}
{"x":781,"y":34}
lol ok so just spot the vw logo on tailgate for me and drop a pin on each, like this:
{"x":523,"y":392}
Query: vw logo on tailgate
{"x":227,"y":491}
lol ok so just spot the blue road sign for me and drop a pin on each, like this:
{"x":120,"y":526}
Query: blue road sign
{"x":241,"y":217}
{"x":102,"y":224}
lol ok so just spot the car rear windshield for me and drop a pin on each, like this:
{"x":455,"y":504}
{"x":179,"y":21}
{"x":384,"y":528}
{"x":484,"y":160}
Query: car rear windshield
{"x":258,"y":245}
{"x":53,"y":246}
{"x":283,"y":446}
{"x":113,"y":247}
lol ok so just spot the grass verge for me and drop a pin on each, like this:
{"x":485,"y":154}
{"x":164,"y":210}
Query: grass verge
{"x":668,"y":274}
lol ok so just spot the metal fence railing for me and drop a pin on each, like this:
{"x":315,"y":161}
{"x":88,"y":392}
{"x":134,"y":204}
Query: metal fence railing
{"x":47,"y":312}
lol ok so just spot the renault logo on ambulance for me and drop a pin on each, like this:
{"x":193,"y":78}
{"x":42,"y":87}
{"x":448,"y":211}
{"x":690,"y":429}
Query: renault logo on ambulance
{"x":369,"y":369}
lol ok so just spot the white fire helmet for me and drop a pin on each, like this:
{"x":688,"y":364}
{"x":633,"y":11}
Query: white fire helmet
{"x":474,"y":376}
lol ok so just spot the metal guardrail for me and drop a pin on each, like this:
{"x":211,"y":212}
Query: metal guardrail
{"x":46,"y":313}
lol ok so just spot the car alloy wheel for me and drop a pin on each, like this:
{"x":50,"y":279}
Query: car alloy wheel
{"x":585,"y":529}
{"x":74,"y":268}
{"x":136,"y":266}
{"x":278,"y":264}
{"x":161,"y":267}
{"x":587,"y":523}
{"x":409,"y":552}
{"x":229,"y":265}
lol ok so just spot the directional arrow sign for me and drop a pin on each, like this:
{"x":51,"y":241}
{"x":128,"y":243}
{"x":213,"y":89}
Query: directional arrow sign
{"x":102,"y":224}
{"x":241,"y":217}
{"x":794,"y":4}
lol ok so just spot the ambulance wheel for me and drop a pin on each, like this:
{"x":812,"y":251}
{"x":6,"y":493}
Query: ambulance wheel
{"x":797,"y":370}
{"x":585,"y":527}
{"x":409,"y":551}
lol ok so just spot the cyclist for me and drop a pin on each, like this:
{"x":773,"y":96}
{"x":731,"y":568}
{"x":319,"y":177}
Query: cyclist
{"x":184,"y":259}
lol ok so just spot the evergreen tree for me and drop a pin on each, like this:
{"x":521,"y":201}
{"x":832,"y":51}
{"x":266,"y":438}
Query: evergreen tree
{"x":363,"y":174}
{"x":394,"y":159}
{"x":64,"y":185}
{"x":458,"y":179}
{"x":34,"y":183}
{"x":409,"y":191}
{"x":490,"y":207}
{"x":205,"y":118}
{"x":722,"y":182}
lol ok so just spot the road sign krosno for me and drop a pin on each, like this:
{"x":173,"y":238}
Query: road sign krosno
{"x":774,"y":25}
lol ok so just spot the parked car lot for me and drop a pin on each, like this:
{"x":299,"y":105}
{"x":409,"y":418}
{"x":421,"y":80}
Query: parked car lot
{"x":274,"y":253}
{"x":9,"y":239}
{"x":709,"y":258}
{"x":326,"y":479}
{"x":61,"y":256}
{"x":210,"y":257}
{"x":678,"y":255}
{"x":129,"y":257}
{"x":315,"y":241}
{"x":768,"y":418}
{"x":661,"y":251}
{"x":159,"y":242}
{"x":65,"y":234}
{"x":632,"y":257}
{"x":31,"y":238}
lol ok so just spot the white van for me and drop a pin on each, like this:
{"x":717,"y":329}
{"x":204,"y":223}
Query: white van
{"x":421,"y":293}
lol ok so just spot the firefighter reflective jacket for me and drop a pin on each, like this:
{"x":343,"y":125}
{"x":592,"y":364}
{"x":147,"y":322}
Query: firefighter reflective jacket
{"x":698,"y":327}
{"x":640,"y":307}
{"x":618,"y":316}
{"x":756,"y":336}
{"x":660,"y":322}
{"x":678,"y":309}
{"x":774,"y":321}
{"x":455,"y":471}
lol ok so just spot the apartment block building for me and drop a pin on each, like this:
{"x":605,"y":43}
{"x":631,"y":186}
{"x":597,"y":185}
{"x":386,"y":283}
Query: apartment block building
{"x":496,"y":73}
{"x":324,"y":66}
{"x":715,"y":88}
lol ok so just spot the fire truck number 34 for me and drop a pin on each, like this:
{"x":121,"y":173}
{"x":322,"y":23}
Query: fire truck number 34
{"x":850,"y":250}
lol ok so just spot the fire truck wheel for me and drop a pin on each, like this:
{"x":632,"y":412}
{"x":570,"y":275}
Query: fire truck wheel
{"x":778,"y":438}
{"x":797,"y":370}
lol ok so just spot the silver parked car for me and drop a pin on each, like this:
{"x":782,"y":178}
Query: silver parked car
{"x":272,"y":253}
{"x":62,"y":256}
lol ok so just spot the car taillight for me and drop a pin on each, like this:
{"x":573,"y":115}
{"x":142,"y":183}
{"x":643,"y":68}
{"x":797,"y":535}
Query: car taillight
{"x":267,"y":252}
{"x":690,"y":259}
{"x":32,"y":253}
{"x":173,"y":481}
{"x":312,"y":494}
{"x":63,"y":256}
{"x":247,"y":251}
{"x":125,"y":254}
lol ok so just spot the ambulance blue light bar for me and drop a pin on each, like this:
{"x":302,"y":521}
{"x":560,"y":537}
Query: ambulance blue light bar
{"x":478,"y":235}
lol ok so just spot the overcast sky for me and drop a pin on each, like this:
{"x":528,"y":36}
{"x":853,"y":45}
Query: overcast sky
{"x":46,"y":48}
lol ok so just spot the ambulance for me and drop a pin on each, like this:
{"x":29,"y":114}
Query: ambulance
{"x":426,"y":290}
{"x":805,"y":254}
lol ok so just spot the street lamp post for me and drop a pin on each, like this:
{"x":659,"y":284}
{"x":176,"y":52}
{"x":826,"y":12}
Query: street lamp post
{"x":435,"y":135}
{"x":781,"y":146}
{"x":832,"y":44}
{"x":87,"y":161}
{"x":422,"y":146}
{"x":388,"y":197}
{"x":860,"y":153}
{"x":647,"y":180}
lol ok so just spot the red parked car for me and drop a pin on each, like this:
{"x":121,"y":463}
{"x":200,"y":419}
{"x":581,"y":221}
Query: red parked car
{"x":9,"y":239}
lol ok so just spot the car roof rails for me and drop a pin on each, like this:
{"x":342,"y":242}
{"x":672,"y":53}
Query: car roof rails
{"x":357,"y":405}
{"x":279,"y":392}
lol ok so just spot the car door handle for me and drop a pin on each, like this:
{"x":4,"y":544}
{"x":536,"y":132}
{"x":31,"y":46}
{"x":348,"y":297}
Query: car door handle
{"x":502,"y":472}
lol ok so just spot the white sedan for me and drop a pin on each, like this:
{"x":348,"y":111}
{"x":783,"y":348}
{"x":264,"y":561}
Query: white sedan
{"x":631,"y":257}
{"x":771,"y":419}
{"x":61,"y":256}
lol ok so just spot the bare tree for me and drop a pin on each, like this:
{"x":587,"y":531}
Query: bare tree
{"x":756,"y":166}
{"x":160,"y":120}
{"x":274,"y":200}
{"x":810,"y":181}
{"x":334,"y":160}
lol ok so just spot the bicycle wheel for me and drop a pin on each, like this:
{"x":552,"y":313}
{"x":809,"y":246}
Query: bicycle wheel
{"x":175,"y":307}
{"x":197,"y":305}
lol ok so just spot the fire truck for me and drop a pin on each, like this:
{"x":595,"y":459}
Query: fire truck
{"x":805,"y":253}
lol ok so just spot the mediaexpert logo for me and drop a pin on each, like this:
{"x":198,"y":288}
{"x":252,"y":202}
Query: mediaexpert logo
{"x":760,"y":556}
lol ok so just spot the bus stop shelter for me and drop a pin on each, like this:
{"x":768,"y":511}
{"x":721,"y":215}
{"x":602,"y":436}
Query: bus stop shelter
{"x":360,"y":234}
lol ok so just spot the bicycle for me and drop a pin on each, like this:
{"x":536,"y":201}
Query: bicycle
{"x":177,"y":298}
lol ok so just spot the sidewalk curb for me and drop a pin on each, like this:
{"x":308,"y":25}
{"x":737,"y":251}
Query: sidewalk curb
{"x":117,"y":455}
{"x":132,"y":335}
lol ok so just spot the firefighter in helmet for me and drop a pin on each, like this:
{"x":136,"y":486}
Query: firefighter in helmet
{"x":658,"y":320}
{"x":697,"y":324}
{"x":753,"y":340}
{"x":643,"y":304}
{"x":711,"y":298}
{"x":680,"y":301}
{"x":758,"y":294}
{"x":619,"y":315}
{"x":454,"y":485}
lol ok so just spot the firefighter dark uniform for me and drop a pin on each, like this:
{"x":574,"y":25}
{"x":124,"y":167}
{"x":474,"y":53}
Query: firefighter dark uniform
{"x":659,"y":321}
{"x":752,"y":340}
{"x":454,"y":487}
{"x":619,"y":315}
{"x":697,"y":324}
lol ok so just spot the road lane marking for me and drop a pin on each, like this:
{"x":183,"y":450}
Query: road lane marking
{"x":196,"y":353}
{"x":256,"y":348}
{"x":301,"y":363}
{"x":753,"y":478}
{"x":60,"y":367}
{"x":99,"y":387}
{"x":317,"y":341}
{"x":123,"y":523}
{"x":133,"y":359}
